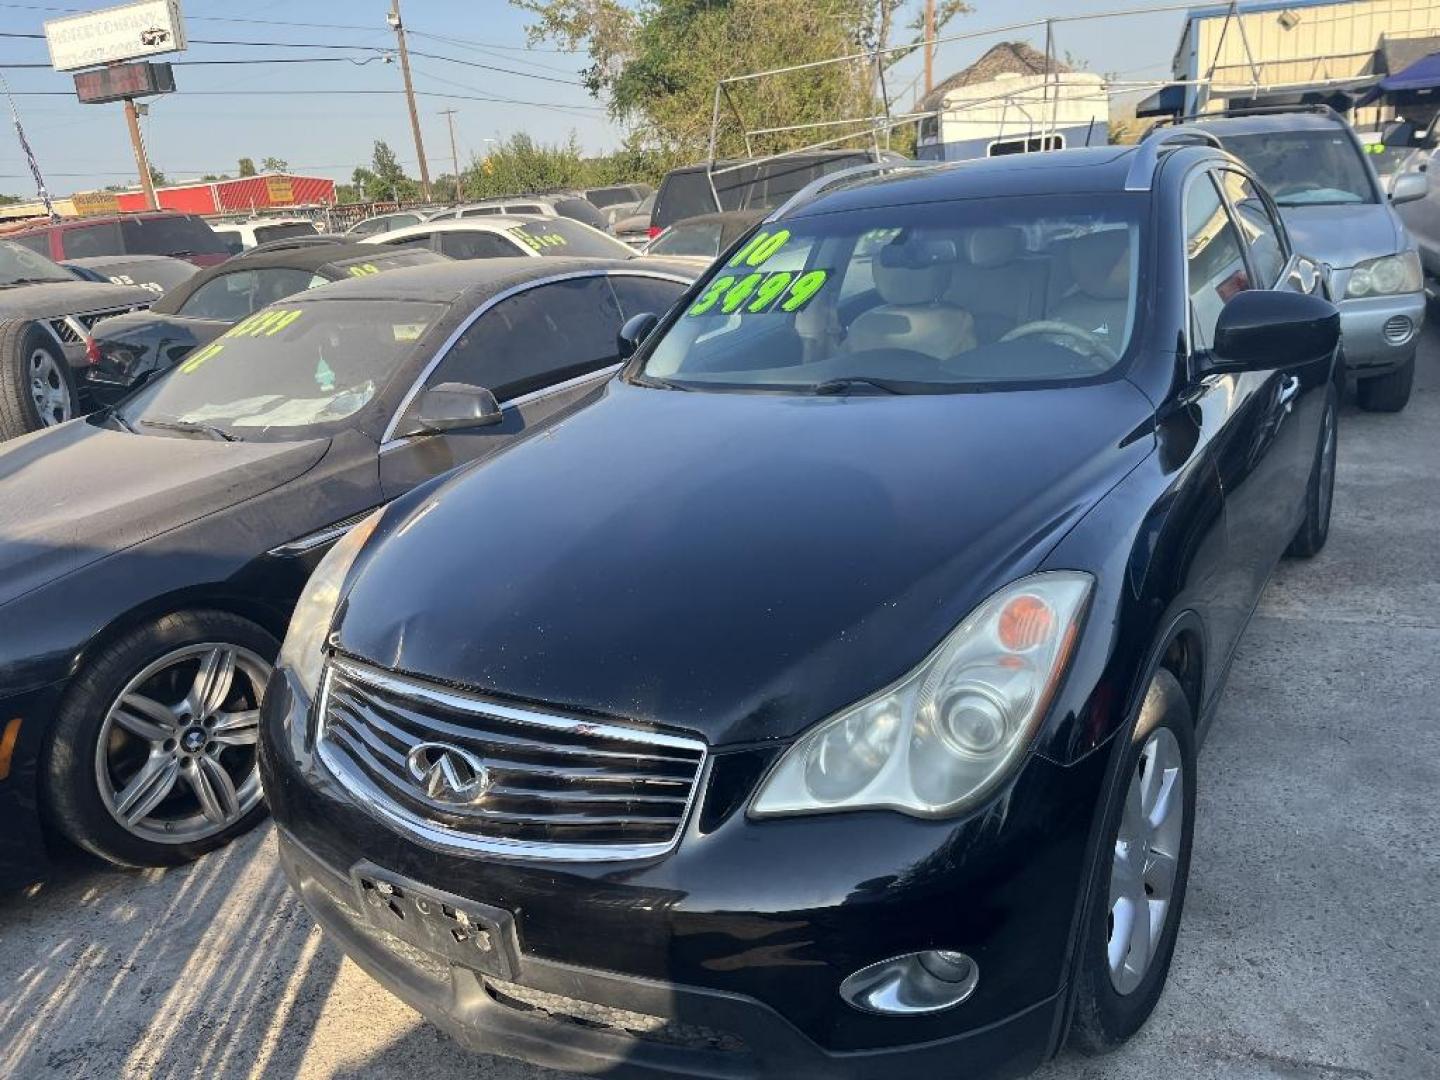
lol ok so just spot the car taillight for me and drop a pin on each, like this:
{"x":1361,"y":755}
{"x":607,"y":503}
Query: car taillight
{"x":92,"y":351}
{"x":653,"y":231}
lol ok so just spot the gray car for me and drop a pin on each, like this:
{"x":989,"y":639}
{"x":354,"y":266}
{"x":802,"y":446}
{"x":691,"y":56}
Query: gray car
{"x":46,"y":313}
{"x":1337,"y":212}
{"x":1422,"y":216}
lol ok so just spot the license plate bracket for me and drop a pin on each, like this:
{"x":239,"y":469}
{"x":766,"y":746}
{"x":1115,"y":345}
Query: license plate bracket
{"x":464,"y":932}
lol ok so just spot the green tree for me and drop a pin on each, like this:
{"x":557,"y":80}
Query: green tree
{"x":656,"y":64}
{"x":247,"y":166}
{"x":275,"y":164}
{"x":385,"y":179}
{"x":158,"y":178}
{"x":211,"y":178}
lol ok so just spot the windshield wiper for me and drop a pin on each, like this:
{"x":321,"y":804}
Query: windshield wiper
{"x":658,"y":383}
{"x":112,"y":412}
{"x":849,"y":382}
{"x":167,"y":423}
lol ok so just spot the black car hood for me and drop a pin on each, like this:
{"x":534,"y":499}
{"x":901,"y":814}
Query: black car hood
{"x":735,"y":564}
{"x":68,"y":297}
{"x":76,"y":493}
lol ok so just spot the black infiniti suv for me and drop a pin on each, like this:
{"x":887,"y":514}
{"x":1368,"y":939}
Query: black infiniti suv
{"x":823,"y":700}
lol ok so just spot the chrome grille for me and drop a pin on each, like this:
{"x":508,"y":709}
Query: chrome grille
{"x":68,"y":327}
{"x":559,"y":786}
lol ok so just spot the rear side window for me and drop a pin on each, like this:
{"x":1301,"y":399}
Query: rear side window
{"x":537,"y":338}
{"x":1262,"y":231}
{"x":36,"y":242}
{"x":179,"y":235}
{"x":476,"y":245}
{"x":645,"y":295}
{"x":88,"y":241}
{"x":521,"y":208}
{"x":1215,"y":262}
{"x":480,"y":211}
{"x":423,"y":240}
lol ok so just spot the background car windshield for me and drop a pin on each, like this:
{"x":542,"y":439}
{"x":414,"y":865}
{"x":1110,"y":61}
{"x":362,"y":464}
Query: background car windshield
{"x":22,"y":264}
{"x":927,"y":297}
{"x":177,"y":235}
{"x":293,"y":370}
{"x":1305,"y":168}
{"x":561,"y":236}
{"x":688,"y":238}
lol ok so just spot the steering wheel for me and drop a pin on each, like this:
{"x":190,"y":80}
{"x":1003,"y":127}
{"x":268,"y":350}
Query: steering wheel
{"x":1091,"y":346}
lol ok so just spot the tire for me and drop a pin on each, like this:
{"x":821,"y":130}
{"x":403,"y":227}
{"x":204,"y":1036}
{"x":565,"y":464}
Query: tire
{"x":1320,"y":491}
{"x":1389,"y":392}
{"x":37,"y":388}
{"x":187,"y":726}
{"x":1111,"y":1007}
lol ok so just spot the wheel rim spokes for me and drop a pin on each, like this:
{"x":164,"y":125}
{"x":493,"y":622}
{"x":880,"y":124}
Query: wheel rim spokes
{"x":48,"y":389}
{"x":176,"y":757}
{"x":1146,"y":860}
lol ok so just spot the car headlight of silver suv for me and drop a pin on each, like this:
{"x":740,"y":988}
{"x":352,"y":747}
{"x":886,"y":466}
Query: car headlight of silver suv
{"x":1385,"y":276}
{"x":947,"y":734}
{"x":304,"y":650}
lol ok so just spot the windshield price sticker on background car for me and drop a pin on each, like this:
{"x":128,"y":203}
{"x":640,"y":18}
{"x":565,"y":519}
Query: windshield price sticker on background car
{"x":363,"y":270}
{"x":265,"y":324}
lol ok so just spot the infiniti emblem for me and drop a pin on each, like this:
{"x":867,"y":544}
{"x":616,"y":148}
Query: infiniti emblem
{"x":447,"y":773}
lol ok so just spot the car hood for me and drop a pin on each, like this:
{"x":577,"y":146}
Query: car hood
{"x":73,"y":494}
{"x":739,"y":565}
{"x":1343,"y":235}
{"x":68,"y":297}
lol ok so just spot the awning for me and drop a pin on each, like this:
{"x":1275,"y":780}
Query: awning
{"x":1424,"y":74}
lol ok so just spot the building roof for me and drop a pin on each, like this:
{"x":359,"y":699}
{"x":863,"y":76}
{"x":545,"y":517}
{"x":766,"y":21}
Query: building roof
{"x":1399,"y":53}
{"x":1006,"y":58}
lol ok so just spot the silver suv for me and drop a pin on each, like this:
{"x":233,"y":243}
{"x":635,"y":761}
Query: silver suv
{"x":1338,"y":213}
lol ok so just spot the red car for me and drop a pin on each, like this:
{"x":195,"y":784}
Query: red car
{"x":155,"y":232}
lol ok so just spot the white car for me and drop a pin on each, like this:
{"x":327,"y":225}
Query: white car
{"x":243,"y":235}
{"x":381,"y":223}
{"x":505,"y":236}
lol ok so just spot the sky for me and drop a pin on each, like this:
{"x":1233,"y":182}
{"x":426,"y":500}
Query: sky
{"x":287,"y":110}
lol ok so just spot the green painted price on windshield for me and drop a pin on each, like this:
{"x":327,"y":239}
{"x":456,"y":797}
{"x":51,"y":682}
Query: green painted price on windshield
{"x":781,"y":291}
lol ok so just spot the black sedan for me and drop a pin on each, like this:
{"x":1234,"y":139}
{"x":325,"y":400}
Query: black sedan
{"x":150,"y":554}
{"x":824,"y":699}
{"x":128,"y":349}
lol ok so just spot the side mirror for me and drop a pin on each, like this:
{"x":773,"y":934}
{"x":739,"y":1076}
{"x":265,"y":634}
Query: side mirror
{"x":451,"y":406}
{"x":1259,"y":330}
{"x":636,"y":329}
{"x":1409,"y":187}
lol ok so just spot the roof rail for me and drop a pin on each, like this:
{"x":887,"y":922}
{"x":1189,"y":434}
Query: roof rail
{"x":821,"y":184}
{"x":1156,"y":142}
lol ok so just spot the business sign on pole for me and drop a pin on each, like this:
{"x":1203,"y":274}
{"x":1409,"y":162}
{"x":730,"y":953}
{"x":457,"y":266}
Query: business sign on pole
{"x":120,"y":81}
{"x":129,"y":32}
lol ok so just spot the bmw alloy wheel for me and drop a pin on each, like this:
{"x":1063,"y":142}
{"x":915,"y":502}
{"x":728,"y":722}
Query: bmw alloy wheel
{"x":176,"y":757}
{"x":1147,"y":854}
{"x":49,"y":389}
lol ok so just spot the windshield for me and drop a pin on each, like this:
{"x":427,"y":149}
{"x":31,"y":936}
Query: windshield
{"x":19,"y":264}
{"x":265,"y":233}
{"x":561,"y":236}
{"x":1305,"y":168}
{"x":926,"y":298}
{"x":293,"y":370}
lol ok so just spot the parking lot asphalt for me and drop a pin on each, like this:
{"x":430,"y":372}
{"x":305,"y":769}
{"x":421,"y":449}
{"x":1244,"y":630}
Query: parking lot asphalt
{"x":1310,"y":946}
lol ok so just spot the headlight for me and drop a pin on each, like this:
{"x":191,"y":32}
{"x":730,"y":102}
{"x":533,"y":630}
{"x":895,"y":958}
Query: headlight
{"x":304,"y":649}
{"x":947,"y":734}
{"x":1385,"y":276}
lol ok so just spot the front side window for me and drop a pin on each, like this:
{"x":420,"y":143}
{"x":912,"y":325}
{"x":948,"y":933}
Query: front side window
{"x":1263,"y":235}
{"x":928,"y":298}
{"x":645,"y":295}
{"x":534,"y":339}
{"x":1214,"y":259}
{"x":298,"y":369}
{"x":1306,"y":168}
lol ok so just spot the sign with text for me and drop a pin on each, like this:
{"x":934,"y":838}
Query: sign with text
{"x":280,"y":189}
{"x":88,"y":203}
{"x":129,"y":32}
{"x":121,"y":81}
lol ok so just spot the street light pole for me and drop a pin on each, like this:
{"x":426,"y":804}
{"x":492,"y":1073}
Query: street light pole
{"x":449,"y":115}
{"x":398,"y":25}
{"x":132,"y":119}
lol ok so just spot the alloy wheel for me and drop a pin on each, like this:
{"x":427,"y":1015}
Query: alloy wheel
{"x":176,"y":757}
{"x":48,"y":389}
{"x":1147,"y":855}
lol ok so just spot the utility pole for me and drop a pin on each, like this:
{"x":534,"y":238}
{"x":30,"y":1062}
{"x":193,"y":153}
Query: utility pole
{"x":132,"y":118}
{"x":929,"y":45}
{"x":449,"y":115}
{"x":396,"y":24}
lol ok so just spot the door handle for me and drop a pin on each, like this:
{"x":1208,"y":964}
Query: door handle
{"x":1289,"y":387}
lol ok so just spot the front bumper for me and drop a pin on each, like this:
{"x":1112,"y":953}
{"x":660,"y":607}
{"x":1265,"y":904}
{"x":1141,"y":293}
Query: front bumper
{"x":24,"y":720}
{"x":724,"y":958}
{"x":1378,"y":333}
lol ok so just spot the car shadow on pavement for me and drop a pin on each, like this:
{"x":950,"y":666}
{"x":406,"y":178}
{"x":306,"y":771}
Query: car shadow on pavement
{"x":210,"y":970}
